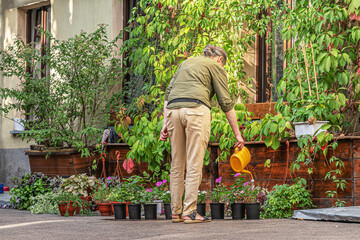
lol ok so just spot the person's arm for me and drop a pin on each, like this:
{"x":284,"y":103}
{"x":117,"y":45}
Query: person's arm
{"x":164,"y":133}
{"x":231,"y":117}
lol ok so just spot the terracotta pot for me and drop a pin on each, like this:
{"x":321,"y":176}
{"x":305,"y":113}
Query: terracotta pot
{"x":66,"y":207}
{"x":87,"y":202}
{"x":105,"y":209}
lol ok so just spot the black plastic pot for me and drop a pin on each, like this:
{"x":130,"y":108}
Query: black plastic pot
{"x":167,"y":207}
{"x":119,"y":210}
{"x":252,"y":210}
{"x":150,"y":211}
{"x":217,"y":210}
{"x":134,"y":211}
{"x":237,"y":211}
{"x":201,"y":209}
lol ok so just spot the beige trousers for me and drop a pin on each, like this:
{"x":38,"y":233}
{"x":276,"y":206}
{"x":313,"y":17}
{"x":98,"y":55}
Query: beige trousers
{"x":189,"y":132}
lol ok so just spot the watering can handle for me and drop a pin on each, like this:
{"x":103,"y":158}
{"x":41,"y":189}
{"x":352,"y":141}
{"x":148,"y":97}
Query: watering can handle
{"x":237,"y":150}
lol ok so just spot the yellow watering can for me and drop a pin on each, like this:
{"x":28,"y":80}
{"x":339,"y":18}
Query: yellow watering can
{"x":240,"y":159}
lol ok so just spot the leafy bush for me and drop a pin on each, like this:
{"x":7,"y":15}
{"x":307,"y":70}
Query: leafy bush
{"x":44,"y":204}
{"x":80,"y":184}
{"x":284,"y":198}
{"x":75,"y":93}
{"x":31,"y":185}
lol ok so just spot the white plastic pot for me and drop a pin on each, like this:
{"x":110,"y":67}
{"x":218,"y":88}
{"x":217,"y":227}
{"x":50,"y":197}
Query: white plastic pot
{"x":304,"y":128}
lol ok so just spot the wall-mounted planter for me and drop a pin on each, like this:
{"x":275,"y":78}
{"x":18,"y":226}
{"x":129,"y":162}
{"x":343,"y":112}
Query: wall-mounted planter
{"x":304,"y":128}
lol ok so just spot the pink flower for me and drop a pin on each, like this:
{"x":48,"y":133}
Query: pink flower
{"x":218,"y":180}
{"x":158,"y":184}
{"x":238,"y":174}
{"x":246,"y":183}
{"x":109,"y":178}
{"x":242,"y":192}
{"x":149,"y":190}
{"x":164,"y":181}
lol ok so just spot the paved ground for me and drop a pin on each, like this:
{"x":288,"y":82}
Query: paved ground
{"x":16,"y":224}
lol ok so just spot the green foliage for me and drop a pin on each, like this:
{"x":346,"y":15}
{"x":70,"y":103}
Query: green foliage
{"x":201,"y":196}
{"x":329,"y":34}
{"x":219,"y":194}
{"x":44,"y":204}
{"x":81,"y":184}
{"x":284,"y":198}
{"x":164,"y":33}
{"x":144,"y":139}
{"x":100,"y":195}
{"x":68,"y":104}
{"x":237,"y":193}
{"x":31,"y":185}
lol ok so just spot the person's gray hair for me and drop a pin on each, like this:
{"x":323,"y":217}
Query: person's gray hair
{"x":213,"y":51}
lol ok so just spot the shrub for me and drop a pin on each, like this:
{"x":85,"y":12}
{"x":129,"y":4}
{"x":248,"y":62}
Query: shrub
{"x":44,"y":204}
{"x":284,"y":198}
{"x":31,"y":185}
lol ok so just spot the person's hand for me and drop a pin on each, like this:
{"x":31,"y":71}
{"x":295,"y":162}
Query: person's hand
{"x":164,"y":133}
{"x":240,"y":142}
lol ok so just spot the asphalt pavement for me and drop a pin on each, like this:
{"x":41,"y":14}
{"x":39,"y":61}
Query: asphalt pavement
{"x":17,"y":224}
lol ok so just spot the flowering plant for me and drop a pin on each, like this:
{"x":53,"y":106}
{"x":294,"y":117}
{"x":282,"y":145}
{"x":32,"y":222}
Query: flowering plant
{"x":237,"y":190}
{"x":254,"y":193}
{"x":163,"y":192}
{"x":219,"y":193}
{"x":201,"y":196}
{"x":148,"y":196}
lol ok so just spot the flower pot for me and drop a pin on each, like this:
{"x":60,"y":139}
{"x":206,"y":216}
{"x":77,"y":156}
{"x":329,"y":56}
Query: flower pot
{"x":105,"y":209}
{"x":150,"y":211}
{"x":304,"y":128}
{"x":167,"y":207}
{"x":87,"y":203}
{"x":217,"y":210}
{"x":127,"y":209}
{"x":134,"y":211}
{"x":252,"y":210}
{"x":237,"y":211}
{"x":120,"y":210}
{"x":158,"y":208}
{"x":201,"y":208}
{"x":66,"y":207}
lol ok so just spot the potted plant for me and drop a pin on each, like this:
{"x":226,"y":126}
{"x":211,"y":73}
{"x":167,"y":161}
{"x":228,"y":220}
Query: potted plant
{"x":65,"y":101}
{"x":148,"y":196}
{"x":254,"y":196}
{"x":67,"y":203}
{"x":118,"y":197}
{"x":100,"y":196}
{"x":201,"y":203}
{"x":134,"y":186}
{"x":81,"y":185}
{"x":163,"y":195}
{"x":236,"y":197}
{"x":218,"y":196}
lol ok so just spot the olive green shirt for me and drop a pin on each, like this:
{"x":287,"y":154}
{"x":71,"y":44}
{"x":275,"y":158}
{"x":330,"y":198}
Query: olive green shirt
{"x":199,"y":78}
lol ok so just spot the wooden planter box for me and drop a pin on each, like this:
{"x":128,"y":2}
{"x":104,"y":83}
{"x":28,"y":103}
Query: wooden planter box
{"x":348,"y":151}
{"x":63,"y":163}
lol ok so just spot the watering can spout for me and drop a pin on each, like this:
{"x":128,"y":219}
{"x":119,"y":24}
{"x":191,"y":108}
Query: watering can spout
{"x":239,"y":160}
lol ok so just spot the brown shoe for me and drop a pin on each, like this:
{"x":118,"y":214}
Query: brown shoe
{"x":176,"y":218}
